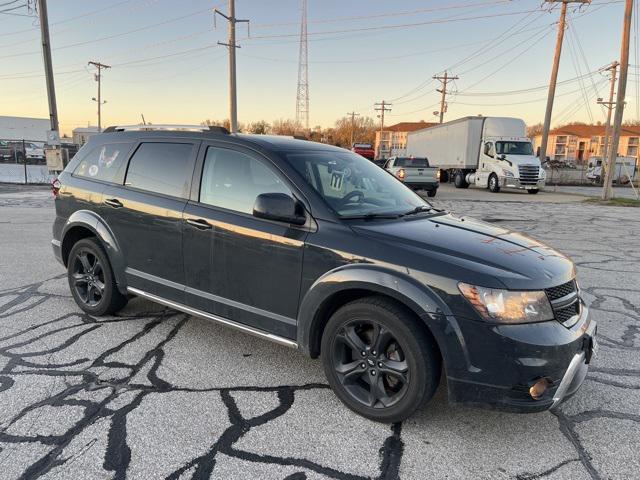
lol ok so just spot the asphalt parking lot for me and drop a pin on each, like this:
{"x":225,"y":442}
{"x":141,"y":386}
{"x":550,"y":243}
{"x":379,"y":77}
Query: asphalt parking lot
{"x":153,"y":393}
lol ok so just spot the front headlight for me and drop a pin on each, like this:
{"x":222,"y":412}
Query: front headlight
{"x":507,"y":173}
{"x":543,"y":173}
{"x":506,"y":306}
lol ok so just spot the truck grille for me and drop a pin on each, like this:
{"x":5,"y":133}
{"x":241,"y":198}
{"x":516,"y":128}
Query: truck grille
{"x":565,"y":303}
{"x":528,"y":174}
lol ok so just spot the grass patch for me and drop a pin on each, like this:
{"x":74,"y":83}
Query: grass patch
{"x":615,"y":202}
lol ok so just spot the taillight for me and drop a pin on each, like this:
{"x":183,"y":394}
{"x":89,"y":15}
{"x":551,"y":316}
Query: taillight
{"x":55,"y":187}
{"x":401,"y":174}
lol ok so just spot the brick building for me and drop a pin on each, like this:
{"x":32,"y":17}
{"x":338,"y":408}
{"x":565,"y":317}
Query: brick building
{"x":392,"y":141}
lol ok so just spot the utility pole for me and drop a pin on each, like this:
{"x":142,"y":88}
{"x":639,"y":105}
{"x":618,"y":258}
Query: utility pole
{"x":231,"y":44}
{"x":622,"y":89}
{"x":46,"y":54}
{"x":609,"y":105}
{"x":382,"y":108}
{"x":98,"y":77}
{"x":554,"y":74}
{"x":444,"y":80}
{"x":353,"y":116}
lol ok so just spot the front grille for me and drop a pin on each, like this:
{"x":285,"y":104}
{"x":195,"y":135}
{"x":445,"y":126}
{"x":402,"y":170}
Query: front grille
{"x":564,"y":314}
{"x":560,"y":291}
{"x":565,"y":303}
{"x":528,"y":174}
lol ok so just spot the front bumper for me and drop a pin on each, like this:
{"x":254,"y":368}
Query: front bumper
{"x":512,"y":182}
{"x":503,"y":362}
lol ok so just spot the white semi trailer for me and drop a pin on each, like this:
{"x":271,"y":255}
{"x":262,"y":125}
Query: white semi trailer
{"x":489,"y":152}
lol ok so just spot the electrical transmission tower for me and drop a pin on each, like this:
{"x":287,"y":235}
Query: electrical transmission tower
{"x":302,"y":97}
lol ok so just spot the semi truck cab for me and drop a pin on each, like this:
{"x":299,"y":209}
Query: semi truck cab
{"x":508,"y":162}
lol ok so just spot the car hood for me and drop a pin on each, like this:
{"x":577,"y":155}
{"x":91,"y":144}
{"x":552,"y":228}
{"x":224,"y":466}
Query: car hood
{"x":473,"y":251}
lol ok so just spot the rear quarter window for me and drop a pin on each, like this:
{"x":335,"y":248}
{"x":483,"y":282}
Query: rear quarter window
{"x":103,"y":162}
{"x":162,"y":167}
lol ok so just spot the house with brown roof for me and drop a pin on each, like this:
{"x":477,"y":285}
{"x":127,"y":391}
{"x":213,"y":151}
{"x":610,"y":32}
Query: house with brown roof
{"x":392,"y":141}
{"x":576,"y":143}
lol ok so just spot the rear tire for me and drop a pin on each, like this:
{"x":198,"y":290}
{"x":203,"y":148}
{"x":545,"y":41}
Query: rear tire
{"x":376,"y":340}
{"x":91,"y":279}
{"x":494,"y":185}
{"x":533,"y":191}
{"x":460,"y":180}
{"x":432,"y":193}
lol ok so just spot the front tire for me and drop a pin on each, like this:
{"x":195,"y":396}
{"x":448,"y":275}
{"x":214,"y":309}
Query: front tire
{"x":379,"y":362}
{"x":432,"y":193}
{"x":533,"y":191}
{"x":91,"y":279}
{"x":494,"y":185}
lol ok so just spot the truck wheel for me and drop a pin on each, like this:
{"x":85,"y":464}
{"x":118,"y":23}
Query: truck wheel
{"x":432,"y":193}
{"x":378,"y":362}
{"x":533,"y":191}
{"x":460,"y":181}
{"x":494,"y":185}
{"x":444,"y":176}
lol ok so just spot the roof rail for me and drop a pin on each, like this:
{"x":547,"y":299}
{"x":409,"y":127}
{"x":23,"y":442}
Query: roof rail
{"x":179,"y":128}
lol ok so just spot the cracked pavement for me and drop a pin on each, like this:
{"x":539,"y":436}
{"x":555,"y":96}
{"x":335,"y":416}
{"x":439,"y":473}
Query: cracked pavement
{"x":152,"y":393}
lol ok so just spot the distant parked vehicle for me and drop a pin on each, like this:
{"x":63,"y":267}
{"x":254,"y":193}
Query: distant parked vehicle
{"x":364,"y":149}
{"x":625,"y":169}
{"x":415,"y":173}
{"x":32,"y":150}
{"x":8,"y":152}
{"x":489,"y":152}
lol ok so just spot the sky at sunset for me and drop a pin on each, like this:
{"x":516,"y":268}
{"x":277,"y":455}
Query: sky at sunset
{"x":166,"y":63}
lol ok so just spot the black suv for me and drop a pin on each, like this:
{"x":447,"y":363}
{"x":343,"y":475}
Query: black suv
{"x":316,"y":248}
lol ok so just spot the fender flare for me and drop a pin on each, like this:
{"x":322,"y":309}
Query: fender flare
{"x":93,"y":222}
{"x":419,"y":298}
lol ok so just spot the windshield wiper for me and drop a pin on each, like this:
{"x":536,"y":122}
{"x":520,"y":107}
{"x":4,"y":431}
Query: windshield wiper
{"x":371,"y":215}
{"x":420,"y":209}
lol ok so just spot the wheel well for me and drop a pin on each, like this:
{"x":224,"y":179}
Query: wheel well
{"x":71,"y":238}
{"x":337,"y":300}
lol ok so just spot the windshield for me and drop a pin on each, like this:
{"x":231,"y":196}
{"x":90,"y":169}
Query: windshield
{"x":352,"y":185}
{"x":514,"y":148}
{"x":411,"y":162}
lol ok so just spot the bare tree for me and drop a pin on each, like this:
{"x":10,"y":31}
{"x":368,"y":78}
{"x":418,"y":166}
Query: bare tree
{"x":286,"y":127}
{"x":260,"y":127}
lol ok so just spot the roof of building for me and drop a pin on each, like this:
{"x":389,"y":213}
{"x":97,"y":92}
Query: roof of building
{"x":586,"y":131}
{"x":89,"y":129}
{"x":409,"y":126}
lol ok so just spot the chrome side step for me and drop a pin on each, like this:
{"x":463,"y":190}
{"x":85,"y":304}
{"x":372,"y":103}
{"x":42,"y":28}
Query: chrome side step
{"x":199,"y":313}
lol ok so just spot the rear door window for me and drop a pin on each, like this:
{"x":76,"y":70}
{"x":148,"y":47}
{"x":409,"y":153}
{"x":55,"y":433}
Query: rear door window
{"x":162,"y":167}
{"x":103,"y":162}
{"x":233,"y":180}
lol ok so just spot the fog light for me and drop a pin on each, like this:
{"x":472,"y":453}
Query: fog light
{"x":538,"y":388}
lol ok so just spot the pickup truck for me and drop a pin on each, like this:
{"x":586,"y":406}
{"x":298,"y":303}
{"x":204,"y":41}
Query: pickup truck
{"x":415,"y":173}
{"x":364,"y":149}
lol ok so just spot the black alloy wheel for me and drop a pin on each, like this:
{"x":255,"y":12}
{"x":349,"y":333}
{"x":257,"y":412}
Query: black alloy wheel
{"x":88,"y":277}
{"x":91,"y":279}
{"x":379,"y":360}
{"x":370,"y":364}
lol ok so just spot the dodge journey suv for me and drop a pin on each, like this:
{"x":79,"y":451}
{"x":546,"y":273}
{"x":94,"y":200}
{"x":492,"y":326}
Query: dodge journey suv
{"x":316,"y":248}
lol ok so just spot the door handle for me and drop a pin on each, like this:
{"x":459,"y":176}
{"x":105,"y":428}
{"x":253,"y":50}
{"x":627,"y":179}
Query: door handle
{"x":199,"y":224}
{"x":113,"y":202}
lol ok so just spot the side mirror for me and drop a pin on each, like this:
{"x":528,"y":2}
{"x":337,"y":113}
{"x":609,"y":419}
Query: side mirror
{"x":279,"y":207}
{"x":502,"y":157}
